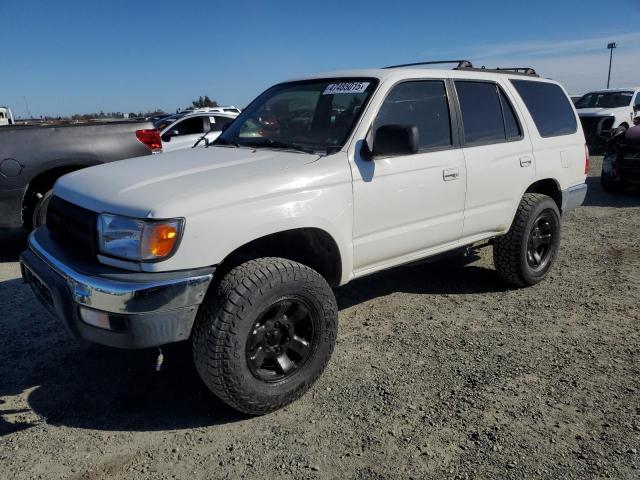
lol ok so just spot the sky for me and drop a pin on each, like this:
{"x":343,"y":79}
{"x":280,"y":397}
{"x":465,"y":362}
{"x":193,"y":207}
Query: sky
{"x":59,"y":57}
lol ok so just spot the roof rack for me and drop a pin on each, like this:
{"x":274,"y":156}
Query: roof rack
{"x":461,"y":64}
{"x":467,"y":65}
{"x":513,"y":70}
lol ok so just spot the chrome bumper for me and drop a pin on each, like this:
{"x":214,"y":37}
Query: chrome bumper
{"x":113,"y":306}
{"x":573,"y":197}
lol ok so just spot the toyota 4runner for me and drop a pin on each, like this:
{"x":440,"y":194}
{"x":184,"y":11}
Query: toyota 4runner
{"x":235,"y":247}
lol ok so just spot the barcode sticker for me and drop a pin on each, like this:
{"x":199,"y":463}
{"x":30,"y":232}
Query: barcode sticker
{"x":347,"y":87}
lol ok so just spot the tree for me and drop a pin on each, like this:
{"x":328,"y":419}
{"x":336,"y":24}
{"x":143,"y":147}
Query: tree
{"x":205,"y":101}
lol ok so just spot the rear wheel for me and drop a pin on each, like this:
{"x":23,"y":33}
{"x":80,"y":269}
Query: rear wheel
{"x":526,"y":253}
{"x":265,"y":334}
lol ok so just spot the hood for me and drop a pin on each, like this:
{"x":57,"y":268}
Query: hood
{"x":599,"y":112}
{"x":165,"y":185}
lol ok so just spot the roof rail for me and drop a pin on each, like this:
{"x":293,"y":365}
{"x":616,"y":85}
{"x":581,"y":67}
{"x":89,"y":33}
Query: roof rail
{"x":513,"y":70}
{"x":461,"y":64}
{"x":467,"y":65}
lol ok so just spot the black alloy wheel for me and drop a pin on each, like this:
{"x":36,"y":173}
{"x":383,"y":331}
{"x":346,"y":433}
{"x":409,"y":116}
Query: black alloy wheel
{"x":281,"y":340}
{"x":540,"y":240}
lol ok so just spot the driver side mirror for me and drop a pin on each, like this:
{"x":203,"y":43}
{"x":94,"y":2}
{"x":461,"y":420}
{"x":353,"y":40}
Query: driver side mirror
{"x":393,"y":140}
{"x":636,"y":108}
{"x":171,"y":133}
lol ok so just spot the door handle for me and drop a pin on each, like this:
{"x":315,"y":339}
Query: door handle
{"x":525,"y":161}
{"x":449,"y":174}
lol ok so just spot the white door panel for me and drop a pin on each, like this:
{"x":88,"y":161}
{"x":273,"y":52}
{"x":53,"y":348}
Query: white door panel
{"x":406,"y":204}
{"x":496,"y":175}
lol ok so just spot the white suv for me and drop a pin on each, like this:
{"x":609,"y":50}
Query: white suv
{"x":235,"y":247}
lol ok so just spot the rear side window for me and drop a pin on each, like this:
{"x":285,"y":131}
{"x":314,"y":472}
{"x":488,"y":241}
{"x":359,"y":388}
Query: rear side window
{"x":423,"y":104}
{"x":549,"y":106}
{"x":190,"y":126}
{"x":217,"y":122}
{"x":487,"y":115}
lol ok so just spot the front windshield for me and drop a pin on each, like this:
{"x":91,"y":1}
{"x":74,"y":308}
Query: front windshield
{"x":314,"y":116}
{"x":605,"y":100}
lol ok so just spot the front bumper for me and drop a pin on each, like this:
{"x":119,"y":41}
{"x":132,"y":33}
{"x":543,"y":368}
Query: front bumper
{"x":111,"y":306}
{"x":573,"y":197}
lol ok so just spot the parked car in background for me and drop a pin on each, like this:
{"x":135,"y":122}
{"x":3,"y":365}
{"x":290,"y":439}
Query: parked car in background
{"x":320,"y":181}
{"x":185,"y":132}
{"x":167,"y":120}
{"x":604,"y":112}
{"x":32,"y":158}
{"x":575,"y":98}
{"x":227,"y":109}
{"x":6,"y":116}
{"x":157,"y":116}
{"x":621,"y":164}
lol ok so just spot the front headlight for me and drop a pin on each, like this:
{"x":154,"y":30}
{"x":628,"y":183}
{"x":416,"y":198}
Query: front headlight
{"x":139,"y":240}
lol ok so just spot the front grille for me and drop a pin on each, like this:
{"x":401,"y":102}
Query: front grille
{"x":590,"y":125}
{"x":73,"y":227}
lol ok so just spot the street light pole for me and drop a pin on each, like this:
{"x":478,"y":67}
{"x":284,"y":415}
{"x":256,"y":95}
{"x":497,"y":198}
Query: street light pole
{"x":610,"y":46}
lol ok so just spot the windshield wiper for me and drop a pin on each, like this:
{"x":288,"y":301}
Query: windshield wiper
{"x":202,"y":138}
{"x":269,"y":143}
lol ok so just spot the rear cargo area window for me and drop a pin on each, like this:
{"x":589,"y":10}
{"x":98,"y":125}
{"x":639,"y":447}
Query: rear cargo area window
{"x":549,"y":106}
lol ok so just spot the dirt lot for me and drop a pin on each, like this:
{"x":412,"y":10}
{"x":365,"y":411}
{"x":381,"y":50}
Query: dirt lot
{"x":439,"y":372}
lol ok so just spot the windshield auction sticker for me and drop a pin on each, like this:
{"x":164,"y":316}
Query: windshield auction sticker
{"x":347,"y":87}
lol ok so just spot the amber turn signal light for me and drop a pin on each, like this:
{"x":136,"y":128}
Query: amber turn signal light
{"x":161,"y":239}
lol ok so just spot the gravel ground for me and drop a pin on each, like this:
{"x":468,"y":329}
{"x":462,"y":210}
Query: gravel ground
{"x":440,"y":371}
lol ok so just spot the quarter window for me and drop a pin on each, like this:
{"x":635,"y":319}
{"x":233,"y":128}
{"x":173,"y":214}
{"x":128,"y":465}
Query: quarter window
{"x":511,"y":125}
{"x":423,"y":104}
{"x":549,"y":106}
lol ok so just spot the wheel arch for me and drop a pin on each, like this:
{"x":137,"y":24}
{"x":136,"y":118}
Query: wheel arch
{"x":311,"y":246}
{"x":549,"y":187}
{"x":42,"y":183}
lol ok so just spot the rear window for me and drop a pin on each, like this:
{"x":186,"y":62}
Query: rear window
{"x":487,"y":115}
{"x":549,"y":106}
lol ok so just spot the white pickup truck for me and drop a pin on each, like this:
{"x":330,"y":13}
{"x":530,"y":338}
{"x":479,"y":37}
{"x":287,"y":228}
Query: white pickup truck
{"x":604,"y":113}
{"x":321,"y":180}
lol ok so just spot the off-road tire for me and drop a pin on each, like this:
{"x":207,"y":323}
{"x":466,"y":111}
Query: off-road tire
{"x":227,"y":316}
{"x":510,"y":250}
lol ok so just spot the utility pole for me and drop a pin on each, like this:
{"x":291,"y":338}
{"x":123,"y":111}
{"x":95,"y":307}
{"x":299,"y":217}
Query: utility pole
{"x":610,"y":46}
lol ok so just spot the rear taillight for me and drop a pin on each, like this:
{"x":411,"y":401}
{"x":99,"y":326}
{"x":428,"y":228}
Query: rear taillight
{"x":151,"y":138}
{"x":586,"y":159}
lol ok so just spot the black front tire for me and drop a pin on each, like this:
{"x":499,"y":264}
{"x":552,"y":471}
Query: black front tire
{"x":512,"y":252}
{"x":227,"y":320}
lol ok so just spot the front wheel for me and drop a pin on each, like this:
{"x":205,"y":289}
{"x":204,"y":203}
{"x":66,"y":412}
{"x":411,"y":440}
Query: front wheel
{"x":265,"y":334}
{"x":526,"y":253}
